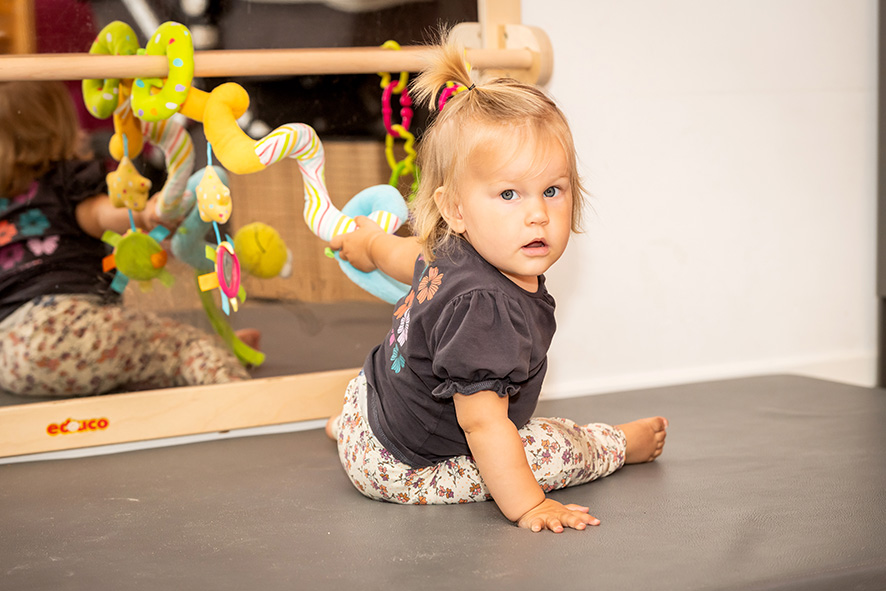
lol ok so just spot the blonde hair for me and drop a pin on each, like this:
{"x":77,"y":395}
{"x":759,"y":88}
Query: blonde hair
{"x":470,"y":120}
{"x":38,"y":126}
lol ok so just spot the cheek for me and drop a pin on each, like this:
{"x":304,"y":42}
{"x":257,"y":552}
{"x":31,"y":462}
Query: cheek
{"x":562,"y":212}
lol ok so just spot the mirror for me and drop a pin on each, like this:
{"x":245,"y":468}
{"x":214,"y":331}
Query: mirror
{"x":317,"y":319}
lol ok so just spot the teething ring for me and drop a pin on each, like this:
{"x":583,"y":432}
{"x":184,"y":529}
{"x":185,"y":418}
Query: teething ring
{"x":174,"y":41}
{"x":101,"y":96}
{"x":228,"y":270}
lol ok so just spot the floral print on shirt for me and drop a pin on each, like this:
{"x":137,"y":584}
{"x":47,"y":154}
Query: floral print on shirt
{"x":430,"y":282}
{"x":8,"y":231}
{"x":31,"y":222}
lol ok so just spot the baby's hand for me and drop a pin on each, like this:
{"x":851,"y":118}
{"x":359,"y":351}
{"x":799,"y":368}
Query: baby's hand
{"x":149,"y":218}
{"x":555,"y":516}
{"x":355,"y":247}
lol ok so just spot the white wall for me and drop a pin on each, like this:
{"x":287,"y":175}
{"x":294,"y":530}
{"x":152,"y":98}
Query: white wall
{"x":730,"y":149}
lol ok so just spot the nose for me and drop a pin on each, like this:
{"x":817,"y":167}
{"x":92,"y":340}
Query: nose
{"x":536,"y":211}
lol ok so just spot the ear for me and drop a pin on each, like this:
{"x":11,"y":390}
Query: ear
{"x":450,"y":210}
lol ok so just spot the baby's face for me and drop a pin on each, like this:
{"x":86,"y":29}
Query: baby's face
{"x":515,"y":208}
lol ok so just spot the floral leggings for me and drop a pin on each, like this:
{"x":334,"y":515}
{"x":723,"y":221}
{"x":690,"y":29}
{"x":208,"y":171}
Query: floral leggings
{"x":70,"y":345}
{"x":560,"y":454}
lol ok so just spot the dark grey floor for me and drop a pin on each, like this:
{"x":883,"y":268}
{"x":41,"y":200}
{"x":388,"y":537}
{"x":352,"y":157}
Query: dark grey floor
{"x":766,"y":483}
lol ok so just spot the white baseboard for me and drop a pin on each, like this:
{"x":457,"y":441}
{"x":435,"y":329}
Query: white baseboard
{"x":856,"y":368}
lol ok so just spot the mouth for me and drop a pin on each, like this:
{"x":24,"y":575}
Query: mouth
{"x":539,"y":245}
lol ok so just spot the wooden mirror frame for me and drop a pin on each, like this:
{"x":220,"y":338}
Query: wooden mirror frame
{"x":498,"y":44}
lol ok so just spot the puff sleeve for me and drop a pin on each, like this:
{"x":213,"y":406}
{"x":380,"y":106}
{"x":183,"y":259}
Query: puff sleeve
{"x":482,"y":342}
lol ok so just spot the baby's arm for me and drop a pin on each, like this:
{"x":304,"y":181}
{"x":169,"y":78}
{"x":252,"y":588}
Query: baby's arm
{"x":498,"y":452}
{"x":97,"y":214}
{"x":369,"y":247}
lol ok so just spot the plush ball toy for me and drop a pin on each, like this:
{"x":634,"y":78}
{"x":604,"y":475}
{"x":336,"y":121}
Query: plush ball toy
{"x":262,"y":251}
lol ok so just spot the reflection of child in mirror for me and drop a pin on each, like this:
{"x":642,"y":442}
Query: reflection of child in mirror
{"x":441,"y":412}
{"x":63,"y":331}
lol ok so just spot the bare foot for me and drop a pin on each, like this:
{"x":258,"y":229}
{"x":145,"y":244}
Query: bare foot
{"x":250,"y":337}
{"x":331,"y":428}
{"x":645,"y":439}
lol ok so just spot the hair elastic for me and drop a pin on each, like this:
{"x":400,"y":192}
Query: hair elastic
{"x":451,"y":89}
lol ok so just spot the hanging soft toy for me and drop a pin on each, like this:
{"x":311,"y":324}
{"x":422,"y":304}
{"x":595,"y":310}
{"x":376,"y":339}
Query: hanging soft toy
{"x":262,"y":251}
{"x":189,"y":246}
{"x":127,"y":188}
{"x":213,"y":198}
{"x":188,"y":241}
{"x":259,"y":248}
{"x":137,"y":256}
{"x":214,"y":205}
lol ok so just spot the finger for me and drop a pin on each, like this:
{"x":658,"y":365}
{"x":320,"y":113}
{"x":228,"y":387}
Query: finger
{"x":577,"y":524}
{"x":582,"y":516}
{"x":364,"y":222}
{"x":580,"y":520}
{"x":537,"y":524}
{"x":555,"y":526}
{"x":580,"y":508}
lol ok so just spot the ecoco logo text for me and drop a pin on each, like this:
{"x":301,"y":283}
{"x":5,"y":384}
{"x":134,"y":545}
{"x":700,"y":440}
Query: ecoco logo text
{"x":73,"y":426}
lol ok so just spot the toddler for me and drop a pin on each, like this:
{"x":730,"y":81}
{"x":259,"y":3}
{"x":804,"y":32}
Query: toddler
{"x":63,"y":331}
{"x":442,"y":411}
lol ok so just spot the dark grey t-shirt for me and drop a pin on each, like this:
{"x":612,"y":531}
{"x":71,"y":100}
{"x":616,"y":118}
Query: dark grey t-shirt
{"x":42,"y":248}
{"x":462,"y":328}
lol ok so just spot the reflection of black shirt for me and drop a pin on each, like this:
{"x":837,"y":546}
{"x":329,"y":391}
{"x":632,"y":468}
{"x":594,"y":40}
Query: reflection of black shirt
{"x":42,"y":248}
{"x":462,"y":328}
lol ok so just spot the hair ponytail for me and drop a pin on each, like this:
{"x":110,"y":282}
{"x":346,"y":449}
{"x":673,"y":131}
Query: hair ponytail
{"x":444,"y":66}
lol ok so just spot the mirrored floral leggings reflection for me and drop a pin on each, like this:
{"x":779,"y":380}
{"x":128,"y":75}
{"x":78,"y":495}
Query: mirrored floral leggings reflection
{"x":72,"y":345}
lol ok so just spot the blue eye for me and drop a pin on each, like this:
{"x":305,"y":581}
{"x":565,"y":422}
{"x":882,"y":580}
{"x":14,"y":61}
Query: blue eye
{"x":552,"y":192}
{"x":508,"y":194}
